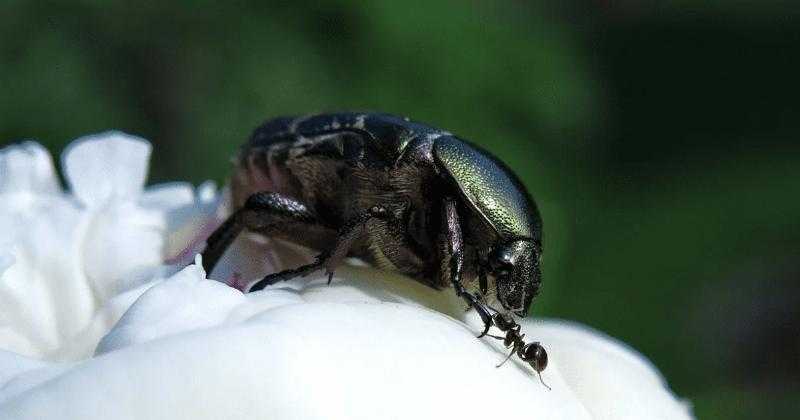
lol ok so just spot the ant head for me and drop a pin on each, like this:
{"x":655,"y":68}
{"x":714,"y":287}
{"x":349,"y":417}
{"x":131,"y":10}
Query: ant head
{"x":536,"y":356}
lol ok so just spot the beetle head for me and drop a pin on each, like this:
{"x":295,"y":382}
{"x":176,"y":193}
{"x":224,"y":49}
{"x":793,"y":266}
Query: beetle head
{"x":515,"y":267}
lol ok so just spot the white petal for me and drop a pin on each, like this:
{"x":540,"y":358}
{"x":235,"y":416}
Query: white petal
{"x":12,"y":365}
{"x":168,"y":196}
{"x":193,"y":348}
{"x":44,"y":294}
{"x":207,"y":191}
{"x":122,"y":246}
{"x":186,"y":213}
{"x":106,"y":166}
{"x":19,"y":374}
{"x":83,"y":344}
{"x":185,"y":302}
{"x":15,"y":342}
{"x":27,"y":167}
{"x":311,"y":361}
{"x":600,"y":369}
{"x":6,"y":259}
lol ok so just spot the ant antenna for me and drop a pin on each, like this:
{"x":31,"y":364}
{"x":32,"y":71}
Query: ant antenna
{"x":542,"y":381}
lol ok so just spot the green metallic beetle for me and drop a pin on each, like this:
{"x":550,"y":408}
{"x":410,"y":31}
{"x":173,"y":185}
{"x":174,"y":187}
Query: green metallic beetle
{"x":399,"y":194}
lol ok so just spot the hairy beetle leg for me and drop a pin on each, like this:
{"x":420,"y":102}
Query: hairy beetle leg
{"x":329,"y":259}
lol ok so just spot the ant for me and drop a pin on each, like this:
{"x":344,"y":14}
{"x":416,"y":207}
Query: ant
{"x":532,"y":353}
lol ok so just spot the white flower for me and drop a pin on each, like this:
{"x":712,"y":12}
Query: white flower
{"x":372,"y":345}
{"x":66,"y":256}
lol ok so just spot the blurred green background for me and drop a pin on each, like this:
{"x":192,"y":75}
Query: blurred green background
{"x":660,"y":139}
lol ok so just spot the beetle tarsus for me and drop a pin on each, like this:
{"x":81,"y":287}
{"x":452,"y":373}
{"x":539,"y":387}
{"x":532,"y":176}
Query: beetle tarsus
{"x":485,"y":317}
{"x":289,"y":274}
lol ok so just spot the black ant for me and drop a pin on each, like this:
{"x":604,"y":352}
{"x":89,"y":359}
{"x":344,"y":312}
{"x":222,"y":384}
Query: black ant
{"x":532,"y":353}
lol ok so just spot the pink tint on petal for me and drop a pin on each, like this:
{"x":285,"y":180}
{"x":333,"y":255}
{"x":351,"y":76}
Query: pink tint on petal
{"x":196,"y":245}
{"x":235,"y":280}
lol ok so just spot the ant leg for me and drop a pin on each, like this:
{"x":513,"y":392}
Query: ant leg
{"x":453,"y":249}
{"x":507,"y":357}
{"x":348,"y":234}
{"x":263,"y":212}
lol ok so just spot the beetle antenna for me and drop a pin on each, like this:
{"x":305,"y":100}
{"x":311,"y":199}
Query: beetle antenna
{"x":542,"y":381}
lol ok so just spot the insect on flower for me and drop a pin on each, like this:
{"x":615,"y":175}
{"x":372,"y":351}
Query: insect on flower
{"x":399,"y":194}
{"x":533,"y":353}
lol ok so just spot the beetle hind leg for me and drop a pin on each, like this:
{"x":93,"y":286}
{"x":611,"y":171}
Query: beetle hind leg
{"x":219,"y":241}
{"x":264,"y":212}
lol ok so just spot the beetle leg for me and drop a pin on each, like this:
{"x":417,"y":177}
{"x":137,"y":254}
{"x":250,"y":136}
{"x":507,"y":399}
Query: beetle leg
{"x":291,"y":273}
{"x":454,"y":248}
{"x":482,"y":282}
{"x":219,"y":241}
{"x":348,"y":234}
{"x":263,"y":211}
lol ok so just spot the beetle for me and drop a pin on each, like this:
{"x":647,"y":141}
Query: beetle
{"x":400,"y":194}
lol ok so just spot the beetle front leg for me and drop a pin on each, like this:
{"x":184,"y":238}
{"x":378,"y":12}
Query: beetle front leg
{"x":454,"y":250}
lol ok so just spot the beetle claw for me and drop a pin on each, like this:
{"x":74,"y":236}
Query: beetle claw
{"x":484,"y":314}
{"x":485,"y":330}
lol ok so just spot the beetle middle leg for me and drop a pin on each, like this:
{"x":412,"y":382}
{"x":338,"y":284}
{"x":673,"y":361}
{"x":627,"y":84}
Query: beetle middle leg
{"x":454,"y":256}
{"x":329,"y":259}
